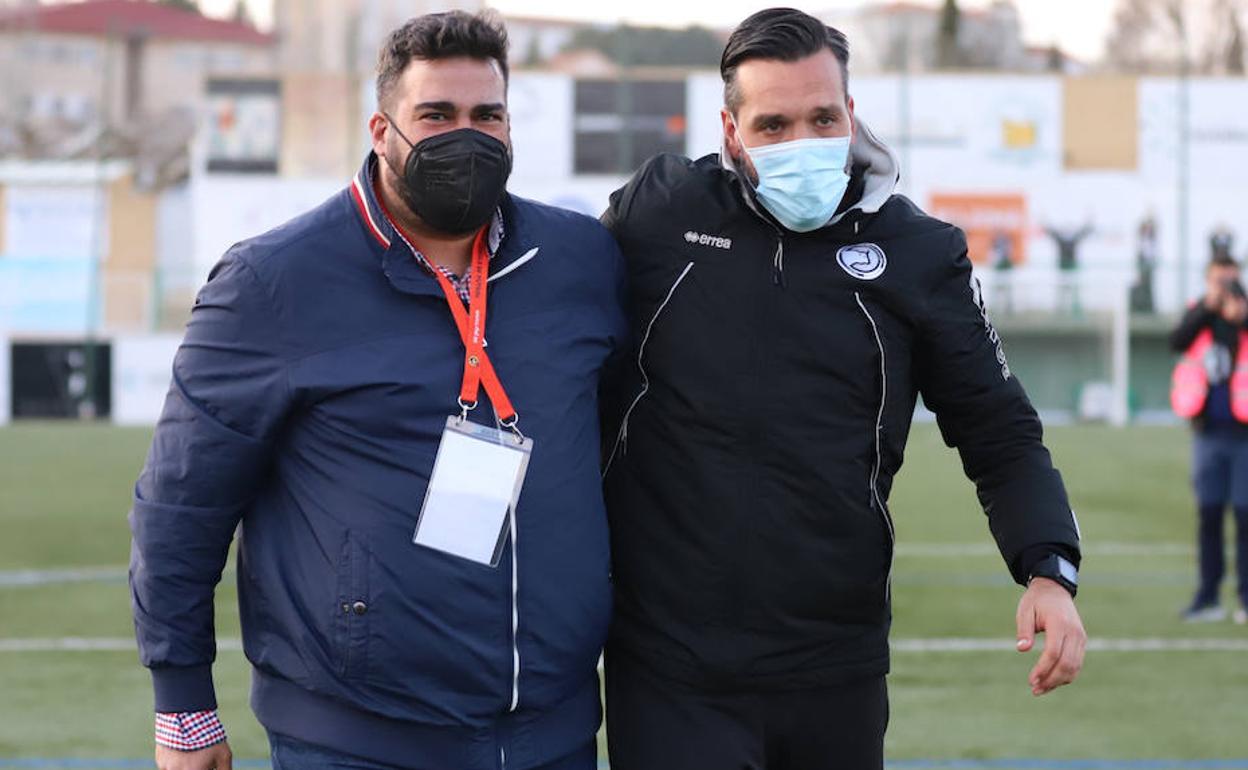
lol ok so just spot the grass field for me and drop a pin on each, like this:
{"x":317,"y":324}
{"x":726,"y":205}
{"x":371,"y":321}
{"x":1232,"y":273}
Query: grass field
{"x":1154,"y":694}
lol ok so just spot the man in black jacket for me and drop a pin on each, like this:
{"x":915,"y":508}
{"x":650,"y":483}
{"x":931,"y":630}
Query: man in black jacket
{"x":1211,"y":387}
{"x":788,"y":309}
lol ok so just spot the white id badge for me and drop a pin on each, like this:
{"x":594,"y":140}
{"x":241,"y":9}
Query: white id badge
{"x":475,"y":483}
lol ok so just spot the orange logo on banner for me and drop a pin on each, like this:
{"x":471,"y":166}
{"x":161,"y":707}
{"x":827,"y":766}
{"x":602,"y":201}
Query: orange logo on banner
{"x":995,"y":224}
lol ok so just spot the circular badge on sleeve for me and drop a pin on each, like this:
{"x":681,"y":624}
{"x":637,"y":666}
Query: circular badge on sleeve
{"x":864,"y":261}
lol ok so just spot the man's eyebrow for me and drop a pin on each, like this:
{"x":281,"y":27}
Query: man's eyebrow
{"x":491,"y":107}
{"x":439,"y":106}
{"x":831,"y":109}
{"x":772,"y":118}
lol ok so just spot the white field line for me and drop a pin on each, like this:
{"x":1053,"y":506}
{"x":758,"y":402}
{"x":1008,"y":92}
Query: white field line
{"x":938,"y":644}
{"x":89,"y":644}
{"x":38,"y":577}
{"x":954,"y":644}
{"x":988,"y":548}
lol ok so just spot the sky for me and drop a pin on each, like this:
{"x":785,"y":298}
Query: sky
{"x":1078,"y":26}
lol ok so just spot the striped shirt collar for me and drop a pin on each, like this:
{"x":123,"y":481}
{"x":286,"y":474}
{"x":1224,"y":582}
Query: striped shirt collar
{"x":383,"y":228}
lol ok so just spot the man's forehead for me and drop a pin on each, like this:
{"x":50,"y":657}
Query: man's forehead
{"x":462,"y":81}
{"x":773,"y":85}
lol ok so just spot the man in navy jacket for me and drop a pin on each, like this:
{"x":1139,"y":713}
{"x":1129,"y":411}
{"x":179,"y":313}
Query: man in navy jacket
{"x":308,"y":403}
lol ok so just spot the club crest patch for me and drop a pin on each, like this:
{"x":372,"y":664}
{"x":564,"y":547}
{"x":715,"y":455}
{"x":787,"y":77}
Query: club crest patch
{"x":864,"y":261}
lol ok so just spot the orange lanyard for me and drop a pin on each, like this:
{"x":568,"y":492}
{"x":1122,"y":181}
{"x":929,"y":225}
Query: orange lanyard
{"x":478,"y":370}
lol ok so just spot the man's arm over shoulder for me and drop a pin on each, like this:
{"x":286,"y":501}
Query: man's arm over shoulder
{"x":209,"y":453}
{"x":631,"y":210}
{"x":983,"y":411}
{"x":612,"y":377}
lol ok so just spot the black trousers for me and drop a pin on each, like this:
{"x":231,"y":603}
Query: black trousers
{"x":1212,"y":554}
{"x":657,"y":724}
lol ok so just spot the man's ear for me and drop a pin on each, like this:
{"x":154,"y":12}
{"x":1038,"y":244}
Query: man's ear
{"x":731,"y":139}
{"x":377,"y":127}
{"x":853,"y":121}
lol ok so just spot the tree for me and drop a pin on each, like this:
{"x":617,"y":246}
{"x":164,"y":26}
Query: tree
{"x":1163,"y":36}
{"x":533,"y":56}
{"x":652,"y":46}
{"x":181,"y":5}
{"x":948,"y":46}
{"x":241,"y":14}
{"x":1233,"y":30}
{"x":1055,"y":59}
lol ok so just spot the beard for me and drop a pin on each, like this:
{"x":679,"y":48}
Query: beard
{"x":396,"y":165}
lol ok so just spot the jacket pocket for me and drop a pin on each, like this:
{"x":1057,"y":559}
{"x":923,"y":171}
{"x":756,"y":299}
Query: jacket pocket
{"x":352,"y":610}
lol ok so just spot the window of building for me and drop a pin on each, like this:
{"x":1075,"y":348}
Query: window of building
{"x":621,"y":123}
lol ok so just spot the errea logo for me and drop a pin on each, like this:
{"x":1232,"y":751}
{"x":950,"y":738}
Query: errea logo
{"x":702,"y":239}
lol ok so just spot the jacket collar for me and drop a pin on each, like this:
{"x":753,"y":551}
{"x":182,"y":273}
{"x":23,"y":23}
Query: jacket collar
{"x":378,"y":222}
{"x":507,"y":251}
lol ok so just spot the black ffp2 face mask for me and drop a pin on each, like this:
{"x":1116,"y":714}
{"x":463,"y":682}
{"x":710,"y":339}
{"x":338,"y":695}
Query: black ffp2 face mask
{"x":454,"y":181}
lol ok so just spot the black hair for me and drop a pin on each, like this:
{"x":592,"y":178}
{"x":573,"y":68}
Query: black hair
{"x":441,"y":36}
{"x":1221,"y":259}
{"x":786,"y":34}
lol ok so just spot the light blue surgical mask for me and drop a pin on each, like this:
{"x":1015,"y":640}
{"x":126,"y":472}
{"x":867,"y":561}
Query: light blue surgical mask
{"x":803,"y":181}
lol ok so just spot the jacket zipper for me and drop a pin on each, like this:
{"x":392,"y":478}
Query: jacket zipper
{"x":515,"y":620}
{"x":777,"y":260}
{"x":777,"y":263}
{"x":877,"y":501}
{"x":621,"y":439}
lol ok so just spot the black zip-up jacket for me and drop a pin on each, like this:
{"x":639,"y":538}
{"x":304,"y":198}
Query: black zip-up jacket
{"x":775,"y":381}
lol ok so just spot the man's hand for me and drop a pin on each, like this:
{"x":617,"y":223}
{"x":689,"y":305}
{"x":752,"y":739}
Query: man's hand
{"x":1234,"y":310}
{"x":1048,"y":607}
{"x":215,"y":757}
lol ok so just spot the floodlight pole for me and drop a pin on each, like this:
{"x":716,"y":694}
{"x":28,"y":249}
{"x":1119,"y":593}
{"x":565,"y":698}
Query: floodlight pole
{"x":1184,"y":164}
{"x":903,"y":107}
{"x":623,"y":100}
{"x":99,"y":227}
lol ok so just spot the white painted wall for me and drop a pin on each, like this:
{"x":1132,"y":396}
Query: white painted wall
{"x":141,"y":369}
{"x":956,"y":146}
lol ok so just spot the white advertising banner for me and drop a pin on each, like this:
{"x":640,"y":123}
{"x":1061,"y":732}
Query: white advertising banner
{"x":142,"y":367}
{"x":50,"y":222}
{"x":541,"y":126}
{"x":228,"y":208}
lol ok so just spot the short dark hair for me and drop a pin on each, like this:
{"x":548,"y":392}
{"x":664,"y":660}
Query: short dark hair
{"x":441,"y":36}
{"x":1221,"y":260}
{"x":786,"y":34}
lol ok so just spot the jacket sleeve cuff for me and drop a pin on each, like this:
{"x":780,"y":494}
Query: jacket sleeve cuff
{"x":1032,"y":555}
{"x":183,"y":689}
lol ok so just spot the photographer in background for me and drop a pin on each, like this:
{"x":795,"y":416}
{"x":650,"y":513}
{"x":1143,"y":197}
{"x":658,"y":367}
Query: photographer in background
{"x":1210,"y":387}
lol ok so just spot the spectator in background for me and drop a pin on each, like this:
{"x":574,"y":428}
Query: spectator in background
{"x":1145,"y":265}
{"x":1221,"y":243}
{"x":1002,"y":256}
{"x":1210,"y":387}
{"x":1067,"y":241}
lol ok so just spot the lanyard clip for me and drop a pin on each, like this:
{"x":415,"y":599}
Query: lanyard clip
{"x":465,"y":408}
{"x":512,"y":424}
